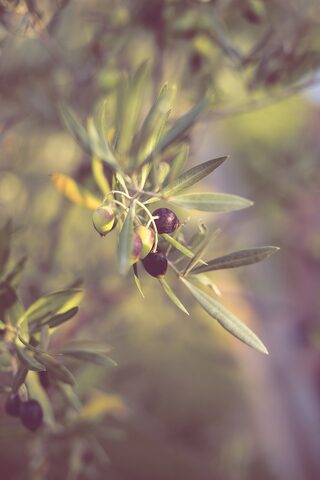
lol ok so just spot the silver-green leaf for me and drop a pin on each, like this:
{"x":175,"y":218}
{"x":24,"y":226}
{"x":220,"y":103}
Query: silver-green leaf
{"x":125,"y":244}
{"x":237,"y":259}
{"x":226,"y":319}
{"x":210,"y":202}
{"x":192,"y":176}
{"x":173,"y":297}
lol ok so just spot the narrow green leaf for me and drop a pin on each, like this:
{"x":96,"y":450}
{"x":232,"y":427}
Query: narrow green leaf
{"x":131,"y":100}
{"x":93,"y":357}
{"x":237,"y":259}
{"x":5,"y":239}
{"x":28,"y":360}
{"x":89,"y":346}
{"x":13,"y":276}
{"x":100,"y":148}
{"x":226,"y":319}
{"x":152,"y":127}
{"x":137,"y":279}
{"x":197,"y":257}
{"x":38,"y":393}
{"x":181,"y":126}
{"x":205,"y":281}
{"x":173,"y":297}
{"x":177,"y":245}
{"x":47,"y":306}
{"x":125,"y":245}
{"x":19,"y":378}
{"x":75,"y":127}
{"x":178,"y":161}
{"x":99,"y":176}
{"x":44,"y":338}
{"x":210,"y":202}
{"x":59,"y":371}
{"x":62,"y":317}
{"x":192,"y":176}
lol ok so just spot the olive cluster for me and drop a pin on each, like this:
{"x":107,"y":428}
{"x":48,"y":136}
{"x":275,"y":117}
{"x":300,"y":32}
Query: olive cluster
{"x":29,"y":411}
{"x":165,"y":221}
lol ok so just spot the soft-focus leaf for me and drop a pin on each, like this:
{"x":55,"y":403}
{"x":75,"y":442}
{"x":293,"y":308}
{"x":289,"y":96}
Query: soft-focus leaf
{"x":76,"y":129}
{"x":205,"y":281}
{"x":57,"y":370}
{"x":181,"y":126}
{"x":62,"y":317}
{"x":125,"y":245}
{"x":131,"y":93}
{"x":148,"y":136}
{"x":19,"y":378}
{"x":192,"y":176}
{"x":97,"y":358}
{"x":13,"y":276}
{"x":38,"y":393}
{"x":177,"y":245}
{"x":237,"y":259}
{"x":226,"y":319}
{"x":173,"y":297}
{"x":137,"y":279}
{"x":49,"y":305}
{"x":99,"y":176}
{"x":44,"y":338}
{"x":89,"y":346}
{"x":178,"y":161}
{"x":28,"y":360}
{"x":5,"y":238}
{"x":100,"y":148}
{"x":74,"y":192}
{"x":210,"y":202}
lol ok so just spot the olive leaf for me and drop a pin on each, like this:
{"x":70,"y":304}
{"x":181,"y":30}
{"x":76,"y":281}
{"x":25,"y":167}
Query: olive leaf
{"x":178,"y":161}
{"x":180,"y":126}
{"x":97,"y":358}
{"x":5,"y":239}
{"x":19,"y":378}
{"x":173,"y":297}
{"x":237,"y":259}
{"x":226,"y":319}
{"x":75,"y":127}
{"x":192,"y":176}
{"x":100,"y":148}
{"x":137,"y":279}
{"x":57,"y":370}
{"x":210,"y":202}
{"x":125,"y":245}
{"x":74,"y":192}
{"x":149,"y":133}
{"x":47,"y":306}
{"x":88,"y":346}
{"x":99,"y":176}
{"x":13,"y":276}
{"x":28,"y":360}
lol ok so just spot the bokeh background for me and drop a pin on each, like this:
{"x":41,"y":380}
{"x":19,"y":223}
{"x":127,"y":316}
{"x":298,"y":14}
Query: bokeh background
{"x":186,"y":401}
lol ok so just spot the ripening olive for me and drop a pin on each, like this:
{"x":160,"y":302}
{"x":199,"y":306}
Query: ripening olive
{"x":104,"y":219}
{"x":147,"y":238}
{"x":155,"y":263}
{"x":167,"y":221}
{"x":31,"y":415}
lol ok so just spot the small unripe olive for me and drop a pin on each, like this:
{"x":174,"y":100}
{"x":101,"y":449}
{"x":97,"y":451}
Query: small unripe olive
{"x":156,"y":263}
{"x":31,"y":415}
{"x":137,"y":248}
{"x":104,"y":219}
{"x":147,"y":238}
{"x":167,"y":221}
{"x":12,"y":405}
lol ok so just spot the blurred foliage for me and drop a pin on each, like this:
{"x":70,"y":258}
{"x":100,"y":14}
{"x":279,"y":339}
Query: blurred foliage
{"x":184,"y":399}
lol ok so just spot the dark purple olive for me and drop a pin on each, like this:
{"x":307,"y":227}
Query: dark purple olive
{"x":155,"y":263}
{"x":31,"y":415}
{"x":12,"y":405}
{"x":167,"y":221}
